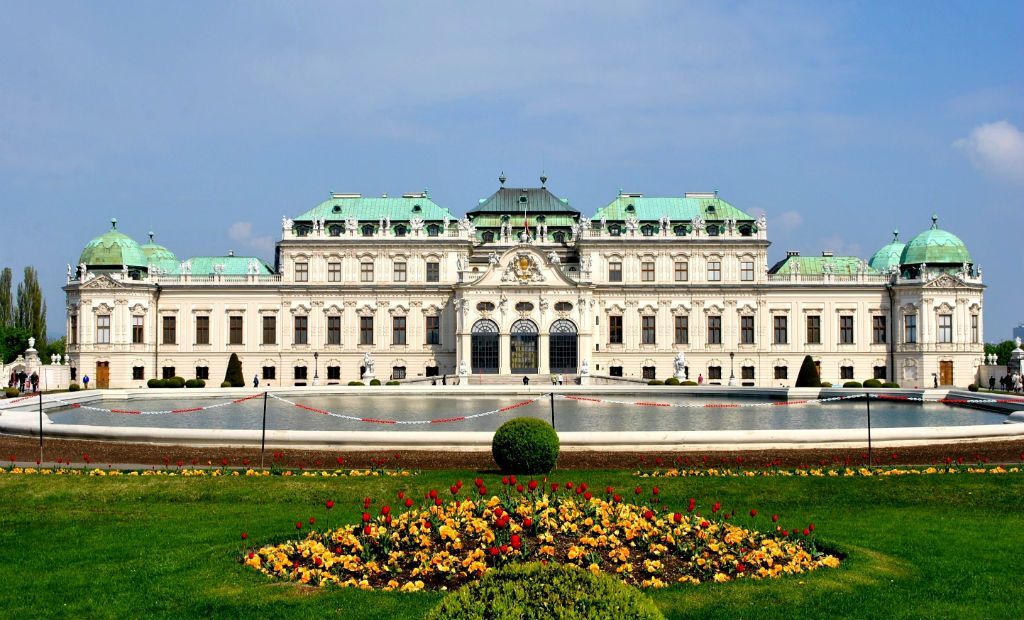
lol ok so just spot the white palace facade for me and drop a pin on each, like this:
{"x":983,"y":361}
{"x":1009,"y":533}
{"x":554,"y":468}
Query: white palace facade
{"x":526,"y":284}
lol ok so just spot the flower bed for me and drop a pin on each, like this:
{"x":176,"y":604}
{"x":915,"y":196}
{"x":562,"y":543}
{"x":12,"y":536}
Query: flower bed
{"x":441,"y":543}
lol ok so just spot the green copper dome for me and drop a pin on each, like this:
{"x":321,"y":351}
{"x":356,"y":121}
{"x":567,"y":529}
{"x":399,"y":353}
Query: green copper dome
{"x":889,"y":255}
{"x":160,"y":257}
{"x":935,"y":247}
{"x":113,"y":249}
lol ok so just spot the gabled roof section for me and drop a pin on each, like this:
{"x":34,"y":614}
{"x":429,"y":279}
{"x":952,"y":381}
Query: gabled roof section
{"x":814,"y":265}
{"x":514,"y":200}
{"x":678,"y":208}
{"x":233,"y":265}
{"x":340,"y":207}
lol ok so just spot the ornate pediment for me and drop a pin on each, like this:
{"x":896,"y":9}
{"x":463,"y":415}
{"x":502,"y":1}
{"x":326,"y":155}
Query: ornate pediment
{"x":945,"y":281}
{"x":103,"y":282}
{"x":522,"y":266}
{"x":522,"y":269}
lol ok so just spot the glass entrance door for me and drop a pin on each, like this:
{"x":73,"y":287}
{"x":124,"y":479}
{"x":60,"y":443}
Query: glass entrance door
{"x":563,"y":356}
{"x":524,"y":347}
{"x":484,"y":356}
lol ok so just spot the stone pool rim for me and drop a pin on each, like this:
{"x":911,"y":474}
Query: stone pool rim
{"x":21,"y":418}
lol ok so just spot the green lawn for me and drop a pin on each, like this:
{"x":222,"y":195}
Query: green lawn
{"x":78,"y":547}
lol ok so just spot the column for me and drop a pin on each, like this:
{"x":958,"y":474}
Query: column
{"x":543,"y":358}
{"x":505,"y":353}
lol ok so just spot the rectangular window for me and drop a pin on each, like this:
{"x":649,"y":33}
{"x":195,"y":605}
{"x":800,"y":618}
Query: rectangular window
{"x":647,"y":329}
{"x":334,"y":373}
{"x":103,"y":329}
{"x":433,"y":272}
{"x":649,"y":372}
{"x":975,"y":330}
{"x":167,"y":372}
{"x":714,"y":373}
{"x":203,"y":372}
{"x":880,"y":372}
{"x":647,"y":271}
{"x":746,"y":330}
{"x":269,"y":330}
{"x":234,"y":330}
{"x":846,"y":372}
{"x":682,"y":330}
{"x":334,"y":330}
{"x":398,"y":330}
{"x":682,"y":271}
{"x":302,"y":272}
{"x":138,"y":373}
{"x":300,"y":373}
{"x":615,"y":271}
{"x":170,"y":329}
{"x":366,"y":330}
{"x":878,"y":335}
{"x":782,"y":372}
{"x":615,"y":330}
{"x":781,"y":329}
{"x":433,"y":330}
{"x":301,"y":330}
{"x":910,"y":329}
{"x":73,"y":335}
{"x":714,"y":330}
{"x":714,"y":271}
{"x":945,"y":328}
{"x":398,"y":372}
{"x":400,"y":272}
{"x":334,"y":272}
{"x":138,"y":329}
{"x":747,"y":271}
{"x":814,"y":330}
{"x":269,"y":372}
{"x":202,"y":330}
{"x":846,"y":329}
{"x":747,"y":373}
{"x":366,"y":272}
{"x":615,"y":371}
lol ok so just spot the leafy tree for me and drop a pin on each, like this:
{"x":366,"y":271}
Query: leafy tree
{"x":234,"y":374}
{"x":6,"y":301}
{"x":1002,"y":350}
{"x":808,"y":376}
{"x":30,"y":313}
{"x":54,"y":346}
{"x":13,"y":341}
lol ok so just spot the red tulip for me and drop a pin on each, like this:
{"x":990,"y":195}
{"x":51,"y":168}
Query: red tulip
{"x":678,"y":518}
{"x":504,"y":480}
{"x":588,"y":495}
{"x":655,"y":491}
{"x":494,"y":551}
{"x":438,"y":502}
{"x":775,"y":518}
{"x":512,"y":479}
{"x":330,"y":504}
{"x":251,"y":555}
{"x":366,"y":502}
{"x":807,"y":532}
{"x":638,"y":491}
{"x":693,"y":505}
{"x":527,"y":522}
{"x":483,"y":490}
{"x":504,"y":548}
{"x":519,"y":488}
{"x":312,"y":520}
{"x":554,"y":487}
{"x":716,"y":507}
{"x":648,"y":515}
{"x":479,"y":482}
{"x":609,"y":490}
{"x":244,"y":535}
{"x":785,"y":532}
{"x":401,"y":495}
{"x":366,"y":517}
{"x":704,"y":524}
{"x":617,"y":499}
{"x":740,"y":567}
{"x":583,"y":485}
{"x":569,"y":485}
{"x":433,"y":493}
{"x":811,"y":527}
{"x":224,"y":462}
{"x":298,"y":525}
{"x":533,"y":485}
{"x":408,"y":503}
{"x":458,"y":484}
{"x":454,"y":489}
{"x":367,"y":530}
{"x":753,"y":512}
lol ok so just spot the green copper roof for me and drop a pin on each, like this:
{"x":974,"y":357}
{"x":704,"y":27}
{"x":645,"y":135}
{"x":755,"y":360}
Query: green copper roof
{"x":233,"y":265}
{"x":935,"y":247}
{"x":400,"y":209}
{"x":889,"y":254}
{"x":493,"y":220}
{"x":677,"y":208}
{"x":814,"y":265}
{"x":514,"y":200}
{"x":155,"y":252}
{"x":113,"y":249}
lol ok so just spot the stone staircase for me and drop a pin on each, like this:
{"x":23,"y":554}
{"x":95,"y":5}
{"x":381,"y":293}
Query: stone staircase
{"x":535,"y":380}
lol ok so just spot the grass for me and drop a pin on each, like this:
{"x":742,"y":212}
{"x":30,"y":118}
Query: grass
{"x":919,"y":546}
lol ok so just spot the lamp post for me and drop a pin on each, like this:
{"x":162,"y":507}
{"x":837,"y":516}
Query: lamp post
{"x":732,"y":368}
{"x":316,"y":368}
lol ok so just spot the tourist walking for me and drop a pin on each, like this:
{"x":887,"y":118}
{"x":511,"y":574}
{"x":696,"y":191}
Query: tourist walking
{"x":85,"y":381}
{"x":444,"y":380}
{"x":255,"y":381}
{"x":992,"y":383}
{"x":526,"y":380}
{"x":35,"y":382}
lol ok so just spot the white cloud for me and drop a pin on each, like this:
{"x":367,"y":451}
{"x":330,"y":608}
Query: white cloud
{"x":840,"y":246}
{"x":789,"y":220}
{"x":242,"y":232}
{"x":996,"y":149}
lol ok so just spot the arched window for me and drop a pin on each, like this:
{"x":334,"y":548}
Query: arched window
{"x":647,"y":230}
{"x":614,"y":230}
{"x":559,"y":237}
{"x":433,"y":230}
{"x":680,"y":230}
{"x":746,"y":230}
{"x":335,"y":230}
{"x":712,"y":231}
{"x":524,"y":326}
{"x":488,"y":237}
{"x":368,"y":230}
{"x":563,"y":326}
{"x":400,"y":230}
{"x":485,"y":326}
{"x":524,"y":306}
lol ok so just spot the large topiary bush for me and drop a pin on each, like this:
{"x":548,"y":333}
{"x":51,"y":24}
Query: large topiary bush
{"x":175,"y":382}
{"x":671,"y":381}
{"x":852,"y":384}
{"x":11,"y":392}
{"x":525,"y":446}
{"x":808,"y":376}
{"x":225,"y":384}
{"x":195,"y":383}
{"x":355,"y":383}
{"x":557,"y":591}
{"x":688,"y":383}
{"x":872,"y":383}
{"x":234,"y":373}
{"x":890,"y":384}
{"x":156,"y":383}
{"x":655,"y":382}
{"x":74,"y":387}
{"x":374,"y":381}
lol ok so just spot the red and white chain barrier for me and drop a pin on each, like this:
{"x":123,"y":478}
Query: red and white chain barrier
{"x":688,"y":405}
{"x":461,"y":418}
{"x":137,"y":412}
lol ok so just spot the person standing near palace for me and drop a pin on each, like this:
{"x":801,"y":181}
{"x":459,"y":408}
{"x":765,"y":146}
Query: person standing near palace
{"x":35,"y":382}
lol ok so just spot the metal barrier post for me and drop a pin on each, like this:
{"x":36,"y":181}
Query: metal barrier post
{"x":869,"y":427}
{"x":263,"y":437}
{"x":40,"y":428}
{"x":552,"y":395}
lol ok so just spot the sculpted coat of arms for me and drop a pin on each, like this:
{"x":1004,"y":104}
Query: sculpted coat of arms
{"x":522,"y":269}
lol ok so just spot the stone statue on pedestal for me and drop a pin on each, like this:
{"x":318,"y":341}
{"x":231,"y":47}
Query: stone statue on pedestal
{"x":368,"y":365}
{"x":679,"y":366}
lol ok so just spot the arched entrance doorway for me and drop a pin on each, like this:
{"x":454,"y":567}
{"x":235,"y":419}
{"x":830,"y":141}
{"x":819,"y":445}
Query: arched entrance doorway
{"x":562,"y":354}
{"x":484,"y":356}
{"x":524,"y":347}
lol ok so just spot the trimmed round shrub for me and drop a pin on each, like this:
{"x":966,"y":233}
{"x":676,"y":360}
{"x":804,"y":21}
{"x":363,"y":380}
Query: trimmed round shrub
{"x":671,"y":381}
{"x":156,"y":383}
{"x":525,"y":446}
{"x":195,"y":383}
{"x":374,"y":381}
{"x":972,"y":387}
{"x":655,"y":382}
{"x":356,"y":383}
{"x":890,"y":384}
{"x":688,"y":383}
{"x":873,"y":383}
{"x":225,"y":384}
{"x":11,"y":392}
{"x":175,"y":382}
{"x":826,"y":384}
{"x":392,"y":383}
{"x":853,"y":384}
{"x":534,"y":590}
{"x":74,"y":387}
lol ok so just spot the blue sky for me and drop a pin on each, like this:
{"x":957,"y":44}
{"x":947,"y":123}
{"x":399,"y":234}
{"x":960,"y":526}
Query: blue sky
{"x":206,"y":122}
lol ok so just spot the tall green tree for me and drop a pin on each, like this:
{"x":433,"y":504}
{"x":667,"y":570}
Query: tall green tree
{"x":6,"y":301}
{"x":30,"y":313}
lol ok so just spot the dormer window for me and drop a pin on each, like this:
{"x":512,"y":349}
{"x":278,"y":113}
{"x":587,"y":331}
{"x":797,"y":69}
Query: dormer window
{"x":559,"y":237}
{"x":648,"y":230}
{"x":614,"y":230}
{"x":433,"y":230}
{"x":680,"y":230}
{"x":711,"y":208}
{"x":712,"y":231}
{"x":630,"y":209}
{"x":335,"y":231}
{"x":368,"y":230}
{"x":400,"y":231}
{"x":541,"y":219}
{"x":488,"y":237}
{"x":522,"y":200}
{"x":746,"y":230}
{"x":301,"y":231}
{"x":417,"y":209}
{"x":336,"y":209}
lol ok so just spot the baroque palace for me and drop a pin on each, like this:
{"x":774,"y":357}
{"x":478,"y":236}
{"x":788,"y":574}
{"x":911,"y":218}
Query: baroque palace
{"x":395,"y":287}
